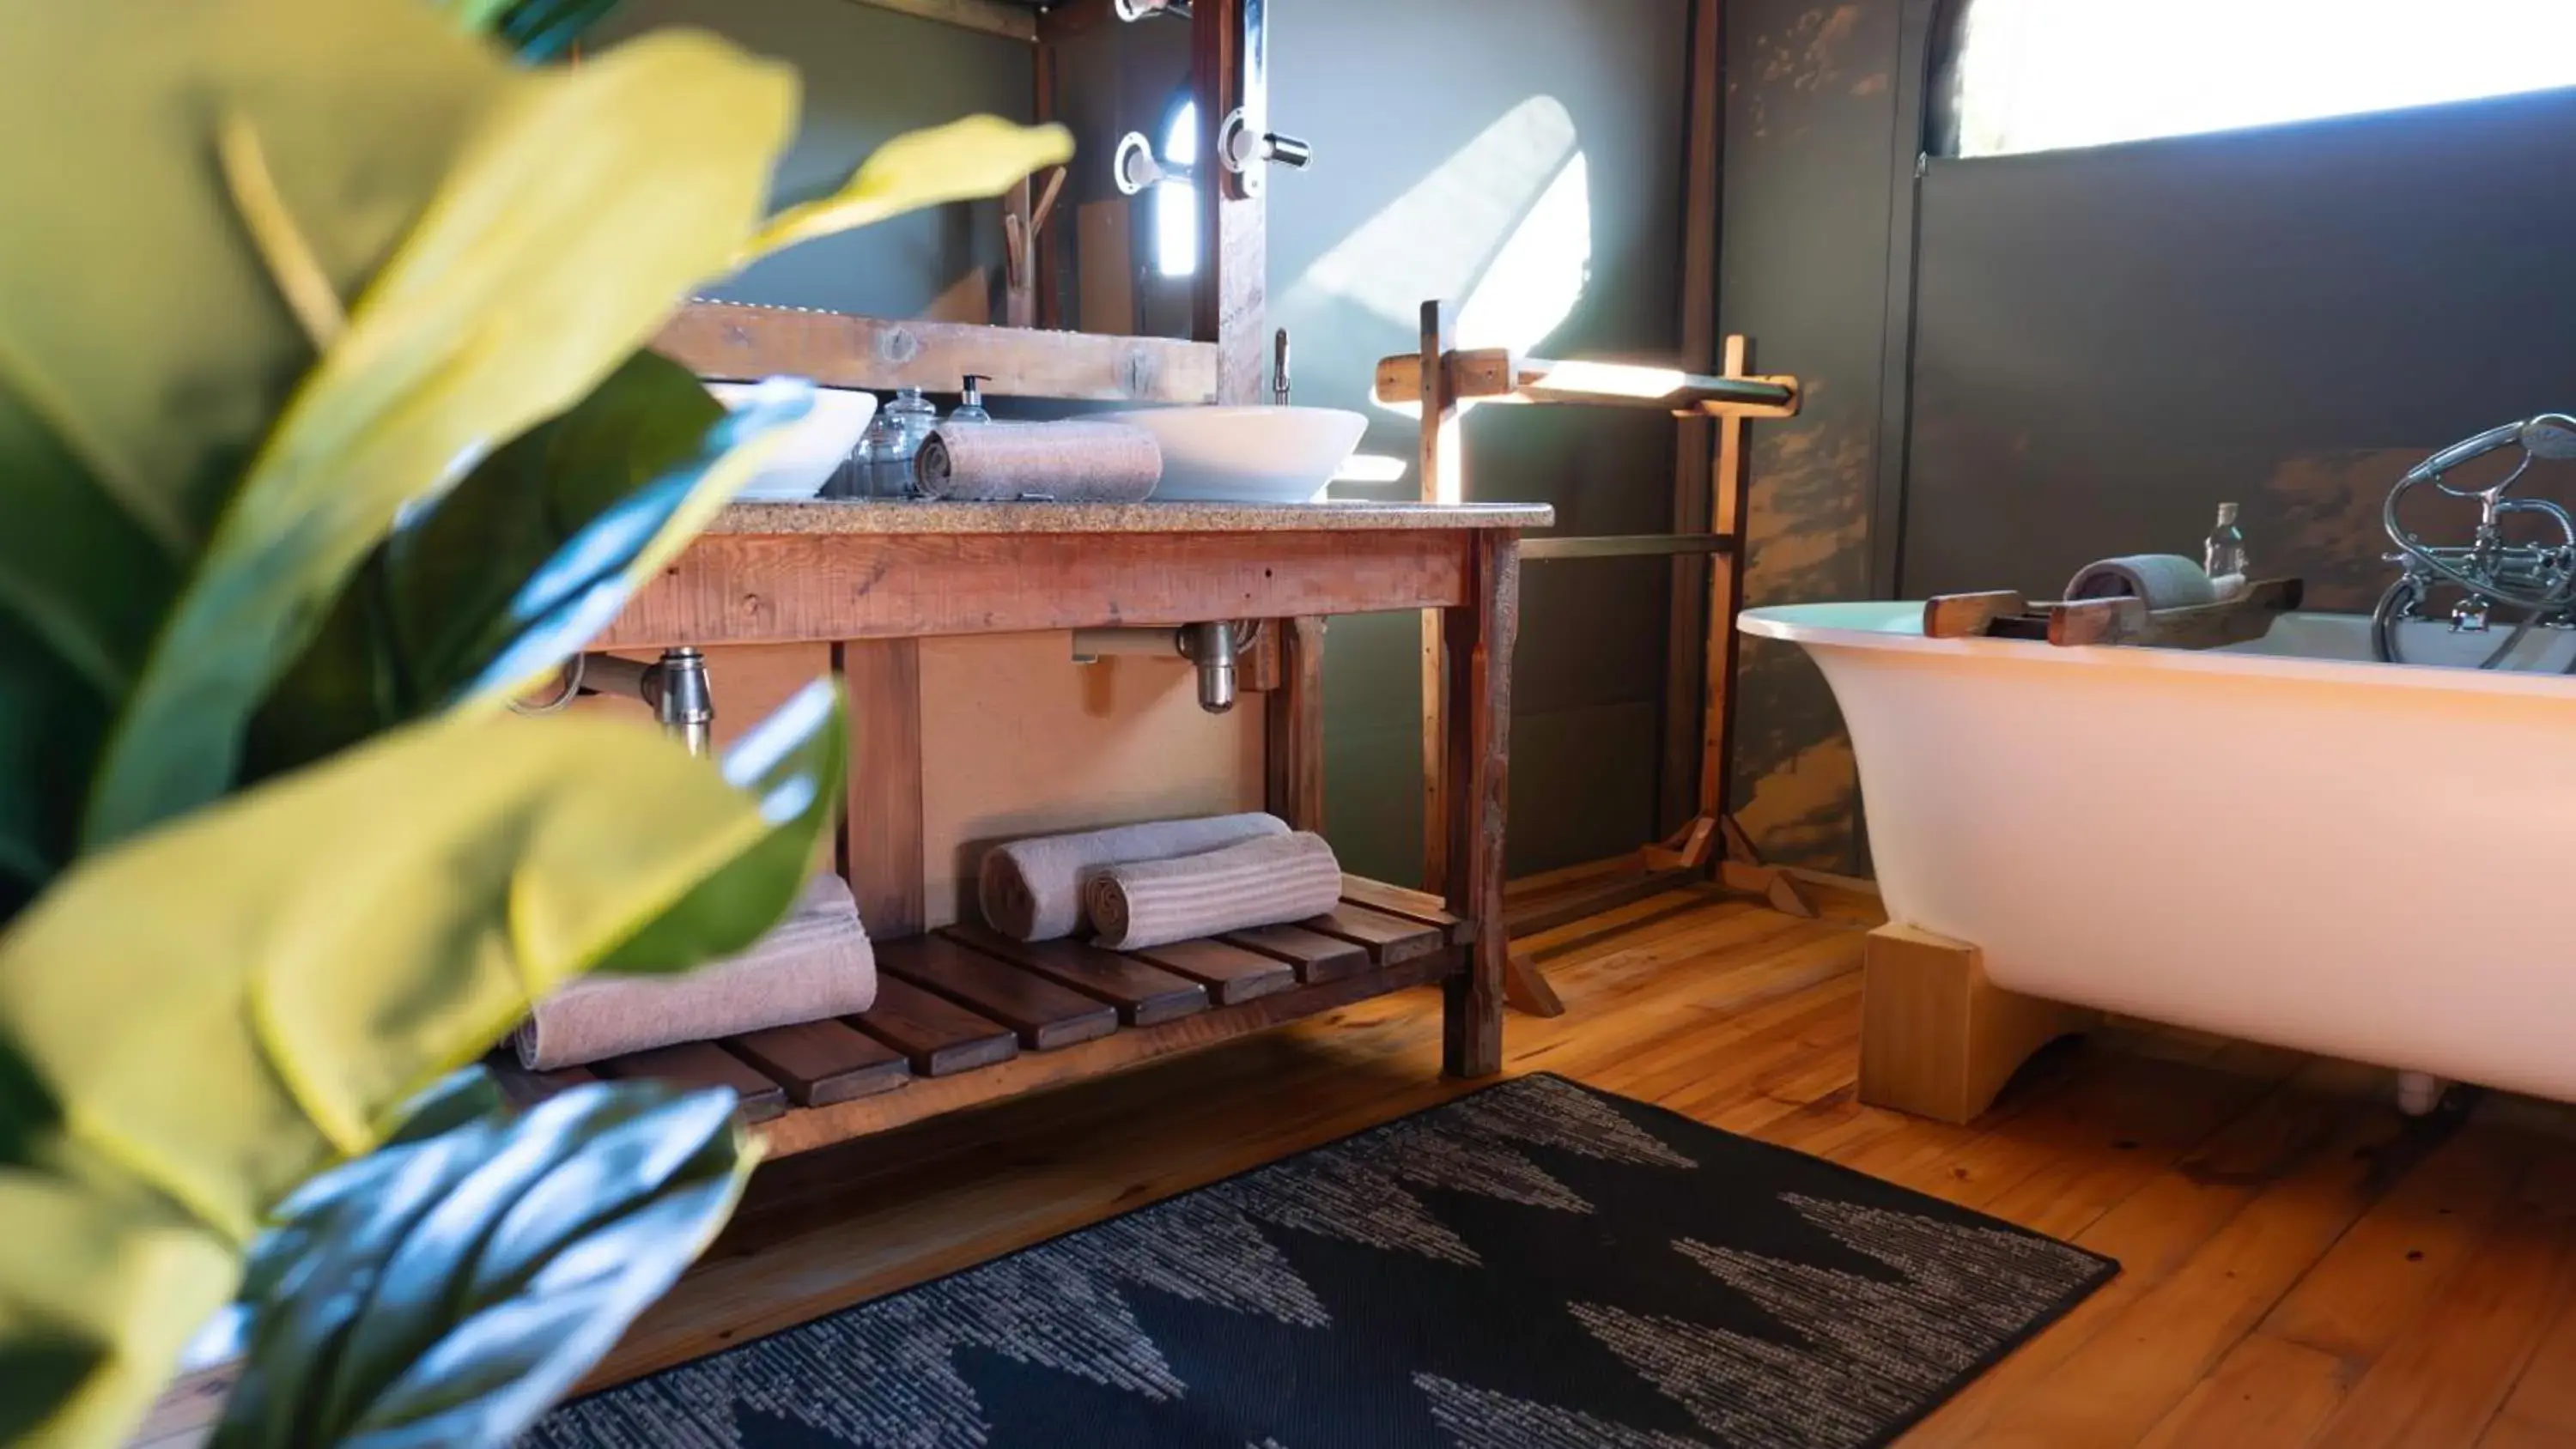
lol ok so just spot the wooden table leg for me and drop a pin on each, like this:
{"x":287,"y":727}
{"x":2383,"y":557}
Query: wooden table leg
{"x":1480,"y":637}
{"x":1294,"y":747}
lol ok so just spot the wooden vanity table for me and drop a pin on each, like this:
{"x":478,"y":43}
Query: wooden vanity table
{"x":967,"y":1017}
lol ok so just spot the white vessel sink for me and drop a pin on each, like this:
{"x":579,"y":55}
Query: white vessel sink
{"x":815,"y":446}
{"x":1248,"y":454}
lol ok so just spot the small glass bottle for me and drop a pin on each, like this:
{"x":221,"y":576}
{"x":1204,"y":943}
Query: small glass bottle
{"x":2227,"y":549}
{"x":909,"y":419}
{"x":869,"y":461}
{"x":970,"y":405}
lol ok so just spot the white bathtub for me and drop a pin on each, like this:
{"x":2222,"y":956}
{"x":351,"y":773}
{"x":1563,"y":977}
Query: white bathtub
{"x":2285,"y":841}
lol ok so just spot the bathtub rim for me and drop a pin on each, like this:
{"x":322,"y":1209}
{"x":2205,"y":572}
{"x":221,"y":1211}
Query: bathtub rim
{"x":1896,"y":626}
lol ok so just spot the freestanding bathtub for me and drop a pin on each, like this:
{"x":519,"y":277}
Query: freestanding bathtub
{"x":2286,"y":840}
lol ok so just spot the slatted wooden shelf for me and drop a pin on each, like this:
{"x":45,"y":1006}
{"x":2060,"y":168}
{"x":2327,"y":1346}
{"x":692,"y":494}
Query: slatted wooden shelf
{"x":965,"y":1016}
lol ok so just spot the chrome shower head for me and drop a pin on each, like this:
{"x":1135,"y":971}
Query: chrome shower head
{"x":2550,"y":435}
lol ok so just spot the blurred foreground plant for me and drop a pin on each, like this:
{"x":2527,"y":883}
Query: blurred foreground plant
{"x":325,"y":426}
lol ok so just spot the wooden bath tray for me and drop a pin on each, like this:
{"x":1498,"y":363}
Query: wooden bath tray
{"x":2004,"y":614}
{"x":965,"y":1016}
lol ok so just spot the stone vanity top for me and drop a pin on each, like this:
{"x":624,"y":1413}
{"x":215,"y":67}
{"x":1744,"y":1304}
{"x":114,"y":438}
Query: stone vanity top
{"x":823,"y":516}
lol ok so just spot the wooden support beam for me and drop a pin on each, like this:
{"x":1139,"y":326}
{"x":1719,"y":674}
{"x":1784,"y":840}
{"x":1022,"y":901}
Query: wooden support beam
{"x":882,"y":837}
{"x":1730,"y":486}
{"x":740,"y":342}
{"x":1482,"y":636}
{"x":1493,"y":375}
{"x":1636,"y":545}
{"x":1939,"y":1040}
{"x":1772,"y":883}
{"x":1228,"y":69}
{"x":1293,"y":746}
{"x":991,"y":17}
{"x":1439,"y":337}
{"x":1694,"y":457}
{"x":782,"y":588}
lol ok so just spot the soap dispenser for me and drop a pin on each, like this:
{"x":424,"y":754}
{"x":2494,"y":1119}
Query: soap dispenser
{"x":970,"y":406}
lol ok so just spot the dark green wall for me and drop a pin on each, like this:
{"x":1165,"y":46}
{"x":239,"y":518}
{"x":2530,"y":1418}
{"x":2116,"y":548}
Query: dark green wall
{"x":1388,"y":93}
{"x":869,"y":75}
{"x":1811,"y":140}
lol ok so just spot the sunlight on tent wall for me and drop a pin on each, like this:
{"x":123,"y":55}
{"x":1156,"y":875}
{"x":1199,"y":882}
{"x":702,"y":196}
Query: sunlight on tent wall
{"x":1505,"y":223}
{"x":2041,"y":75}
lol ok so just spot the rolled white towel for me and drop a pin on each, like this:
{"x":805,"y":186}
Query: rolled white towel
{"x":1267,"y":882}
{"x":814,"y":965}
{"x":1032,"y":889}
{"x":2164,"y":580}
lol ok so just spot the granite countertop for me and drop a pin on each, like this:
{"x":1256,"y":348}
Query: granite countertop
{"x":823,"y":516}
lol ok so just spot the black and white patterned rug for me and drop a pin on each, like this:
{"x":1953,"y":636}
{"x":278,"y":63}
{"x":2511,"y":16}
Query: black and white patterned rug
{"x":1537,"y":1264}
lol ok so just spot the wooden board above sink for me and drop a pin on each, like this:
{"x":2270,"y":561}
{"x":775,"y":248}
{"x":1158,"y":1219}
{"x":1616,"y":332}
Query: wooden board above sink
{"x":738,"y":342}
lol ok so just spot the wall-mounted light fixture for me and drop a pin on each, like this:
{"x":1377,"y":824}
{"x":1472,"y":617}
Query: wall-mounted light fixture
{"x":1132,"y":11}
{"x":1138,"y":170}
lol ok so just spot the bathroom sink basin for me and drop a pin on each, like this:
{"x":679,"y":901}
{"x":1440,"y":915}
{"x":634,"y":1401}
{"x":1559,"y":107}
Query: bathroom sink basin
{"x":1248,"y":454}
{"x":815,"y":446}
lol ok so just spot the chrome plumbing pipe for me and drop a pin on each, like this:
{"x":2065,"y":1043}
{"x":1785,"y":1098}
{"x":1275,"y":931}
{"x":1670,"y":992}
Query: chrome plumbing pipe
{"x":1212,"y":647}
{"x":2536,"y":580}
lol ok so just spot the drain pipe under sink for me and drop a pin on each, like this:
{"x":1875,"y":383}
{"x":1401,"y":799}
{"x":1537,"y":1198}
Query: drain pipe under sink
{"x":1213,"y":647}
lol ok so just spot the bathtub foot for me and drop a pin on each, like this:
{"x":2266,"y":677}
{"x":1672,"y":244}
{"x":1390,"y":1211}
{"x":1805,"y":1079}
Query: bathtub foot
{"x":1937,"y":1039}
{"x":2418,"y":1093}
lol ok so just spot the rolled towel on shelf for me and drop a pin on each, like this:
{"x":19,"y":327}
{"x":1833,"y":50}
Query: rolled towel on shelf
{"x":1032,"y":889}
{"x":2164,"y":580}
{"x":1267,"y":882}
{"x":815,"y":965}
{"x":1071,"y":462}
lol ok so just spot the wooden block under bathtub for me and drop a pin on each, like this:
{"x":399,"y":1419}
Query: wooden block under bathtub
{"x":1937,"y":1038}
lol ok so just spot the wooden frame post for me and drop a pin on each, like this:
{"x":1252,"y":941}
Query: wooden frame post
{"x":1293,"y":744}
{"x":1439,"y":405}
{"x":1228,"y":60}
{"x":1481,"y":636}
{"x":1443,"y":867}
{"x":1713,"y":833}
{"x":1695,"y":483}
{"x":881,"y":851}
{"x":1939,"y":1040}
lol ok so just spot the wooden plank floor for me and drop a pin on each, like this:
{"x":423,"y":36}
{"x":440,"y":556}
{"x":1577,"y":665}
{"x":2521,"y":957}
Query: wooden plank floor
{"x":2302,"y":1265}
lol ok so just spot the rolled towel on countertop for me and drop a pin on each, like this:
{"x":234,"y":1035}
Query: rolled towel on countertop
{"x":1032,"y":889}
{"x":2164,"y":580}
{"x":1069,"y":462}
{"x":815,"y":965}
{"x":1267,"y":882}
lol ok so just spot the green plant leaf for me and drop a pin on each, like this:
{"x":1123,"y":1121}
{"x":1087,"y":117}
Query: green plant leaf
{"x":456,"y":1099}
{"x":545,"y":29}
{"x":131,"y":395}
{"x":794,"y":762}
{"x":523,"y":563}
{"x":449,"y":1296}
{"x":98,"y":1293}
{"x":50,"y":723}
{"x":477,"y":16}
{"x":975,"y":157}
{"x":220,"y":1047}
{"x":538,"y":267}
{"x":160,"y":379}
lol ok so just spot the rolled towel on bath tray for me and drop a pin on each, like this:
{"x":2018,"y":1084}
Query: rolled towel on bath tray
{"x":1032,"y":889}
{"x":2164,"y":580}
{"x":815,"y":965}
{"x":1266,"y":882}
{"x":1074,"y":462}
